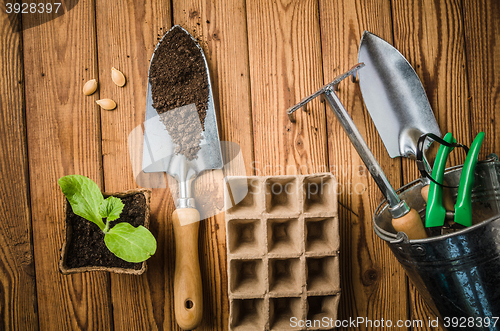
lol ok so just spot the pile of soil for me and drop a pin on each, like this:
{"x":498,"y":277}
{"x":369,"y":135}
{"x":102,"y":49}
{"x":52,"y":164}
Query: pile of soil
{"x":178,"y":78}
{"x":86,"y":245}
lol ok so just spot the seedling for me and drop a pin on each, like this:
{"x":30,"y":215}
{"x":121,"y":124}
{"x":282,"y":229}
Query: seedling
{"x":132,"y":244}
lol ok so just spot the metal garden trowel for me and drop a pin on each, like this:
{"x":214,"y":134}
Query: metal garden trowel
{"x":394,"y":97}
{"x":163,"y":152}
{"x":397,"y":102}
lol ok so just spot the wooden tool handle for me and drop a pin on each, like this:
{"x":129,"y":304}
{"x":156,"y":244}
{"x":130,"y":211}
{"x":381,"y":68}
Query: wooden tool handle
{"x":425,"y":192}
{"x":188,"y":294}
{"x":411,"y":224}
{"x":447,"y":199}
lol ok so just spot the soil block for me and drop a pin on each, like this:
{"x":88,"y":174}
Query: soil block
{"x":84,"y":248}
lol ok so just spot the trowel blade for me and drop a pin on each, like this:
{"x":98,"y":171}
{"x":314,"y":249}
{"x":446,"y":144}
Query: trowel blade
{"x":159,"y":154}
{"x":394,"y":97}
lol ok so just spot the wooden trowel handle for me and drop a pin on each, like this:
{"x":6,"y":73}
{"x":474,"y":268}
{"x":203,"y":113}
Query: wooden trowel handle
{"x":411,"y":224}
{"x":188,"y":294}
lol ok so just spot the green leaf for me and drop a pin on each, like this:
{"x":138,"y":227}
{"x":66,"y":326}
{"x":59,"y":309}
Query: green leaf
{"x":84,"y":196}
{"x":111,"y":208}
{"x":129,"y":243}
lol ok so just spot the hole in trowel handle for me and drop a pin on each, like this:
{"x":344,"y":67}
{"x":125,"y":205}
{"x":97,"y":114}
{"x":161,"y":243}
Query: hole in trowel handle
{"x":188,"y":304}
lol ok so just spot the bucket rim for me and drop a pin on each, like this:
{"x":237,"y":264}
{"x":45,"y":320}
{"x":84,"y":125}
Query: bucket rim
{"x":392,"y":238}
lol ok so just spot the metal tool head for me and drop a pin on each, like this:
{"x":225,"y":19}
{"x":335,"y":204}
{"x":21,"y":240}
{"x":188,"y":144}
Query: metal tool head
{"x":398,"y":208}
{"x":394,"y":97}
{"x":159,"y":154}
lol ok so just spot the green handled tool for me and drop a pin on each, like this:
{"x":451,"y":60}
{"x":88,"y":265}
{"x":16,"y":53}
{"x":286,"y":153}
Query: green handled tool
{"x":463,"y":207}
{"x":435,"y":212}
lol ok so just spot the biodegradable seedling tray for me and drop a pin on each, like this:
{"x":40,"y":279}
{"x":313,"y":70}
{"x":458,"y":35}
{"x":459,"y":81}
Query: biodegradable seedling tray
{"x":283,"y":250}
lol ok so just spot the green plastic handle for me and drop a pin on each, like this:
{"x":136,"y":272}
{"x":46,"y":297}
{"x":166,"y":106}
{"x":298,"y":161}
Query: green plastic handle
{"x":435,"y":212}
{"x":463,"y":207}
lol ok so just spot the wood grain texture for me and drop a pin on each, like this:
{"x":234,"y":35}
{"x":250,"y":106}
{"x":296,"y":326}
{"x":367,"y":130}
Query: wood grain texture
{"x":63,"y":138}
{"x":127,"y":33}
{"x":18,"y":307}
{"x":482,"y":44}
{"x":264,"y":56}
{"x":285,"y":66}
{"x":220,"y":27}
{"x":430,"y":35}
{"x":373,"y":283}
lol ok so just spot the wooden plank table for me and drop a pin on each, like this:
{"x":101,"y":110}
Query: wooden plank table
{"x":264,"y":56}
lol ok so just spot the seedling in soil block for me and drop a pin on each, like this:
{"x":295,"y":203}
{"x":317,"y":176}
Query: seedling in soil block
{"x":132,"y":244}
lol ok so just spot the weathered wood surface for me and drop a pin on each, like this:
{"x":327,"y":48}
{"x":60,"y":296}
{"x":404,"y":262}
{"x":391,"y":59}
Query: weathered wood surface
{"x":284,"y":47}
{"x":482,"y":45}
{"x":263,"y":57}
{"x":18,"y":306}
{"x":64,"y":137}
{"x":138,"y":302}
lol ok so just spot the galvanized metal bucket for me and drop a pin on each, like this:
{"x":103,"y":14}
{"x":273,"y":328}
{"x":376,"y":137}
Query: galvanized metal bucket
{"x":457,"y":274}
